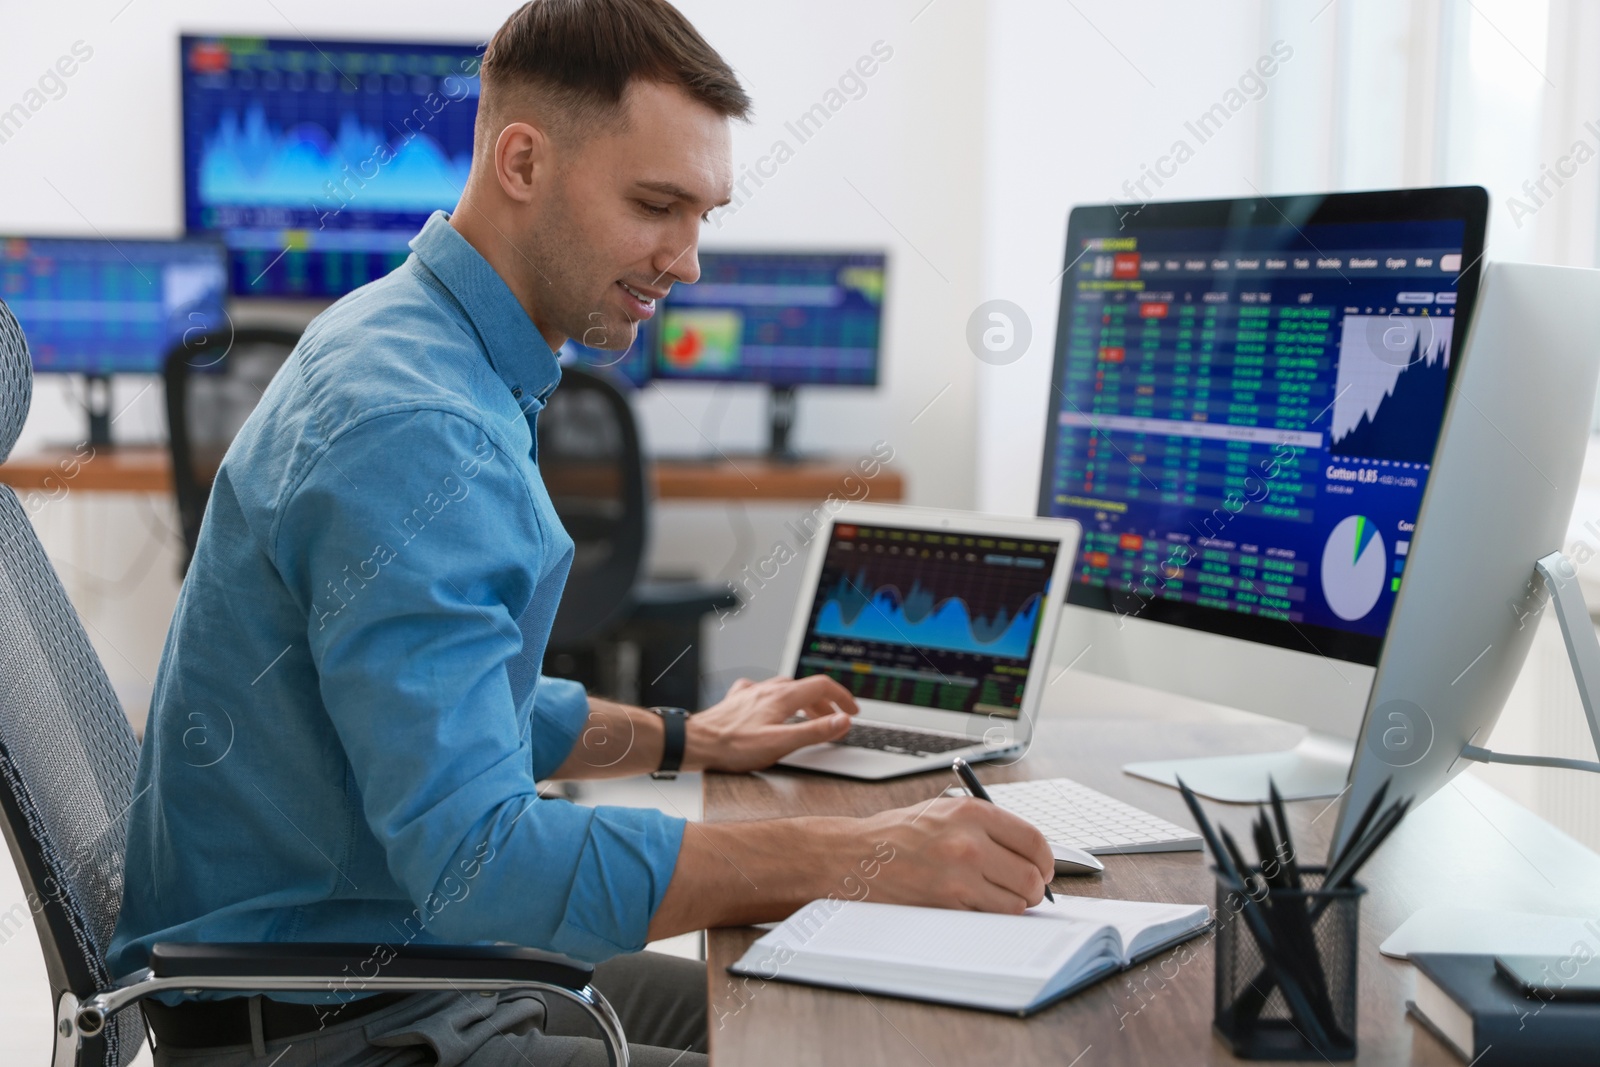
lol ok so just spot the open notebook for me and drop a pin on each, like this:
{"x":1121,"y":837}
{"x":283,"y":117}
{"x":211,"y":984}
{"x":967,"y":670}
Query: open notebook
{"x":1009,"y":963}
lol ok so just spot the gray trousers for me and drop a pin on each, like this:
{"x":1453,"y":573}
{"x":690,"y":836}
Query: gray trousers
{"x":660,"y":999}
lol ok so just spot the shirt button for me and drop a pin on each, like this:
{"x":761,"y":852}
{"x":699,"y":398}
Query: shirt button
{"x":517,"y":393}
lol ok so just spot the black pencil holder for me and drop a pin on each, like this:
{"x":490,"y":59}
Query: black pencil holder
{"x":1253,"y":1016}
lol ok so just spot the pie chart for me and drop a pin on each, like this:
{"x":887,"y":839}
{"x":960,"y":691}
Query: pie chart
{"x":1354,"y":568}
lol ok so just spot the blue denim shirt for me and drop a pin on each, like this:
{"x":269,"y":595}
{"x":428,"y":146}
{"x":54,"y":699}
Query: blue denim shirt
{"x":349,"y":717}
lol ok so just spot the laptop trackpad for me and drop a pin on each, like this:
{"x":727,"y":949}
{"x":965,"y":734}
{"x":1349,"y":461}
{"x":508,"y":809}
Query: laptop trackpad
{"x":843,"y":759}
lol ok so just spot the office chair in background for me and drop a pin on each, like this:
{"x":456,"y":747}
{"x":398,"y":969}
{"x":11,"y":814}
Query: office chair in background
{"x":624,"y":636}
{"x":213,"y":384}
{"x":67,"y":763}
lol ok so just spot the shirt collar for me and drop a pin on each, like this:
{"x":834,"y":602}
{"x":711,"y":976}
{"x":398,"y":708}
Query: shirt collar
{"x":516,"y":350}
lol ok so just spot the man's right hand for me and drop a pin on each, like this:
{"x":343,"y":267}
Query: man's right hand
{"x":958,"y":852}
{"x":949,"y":852}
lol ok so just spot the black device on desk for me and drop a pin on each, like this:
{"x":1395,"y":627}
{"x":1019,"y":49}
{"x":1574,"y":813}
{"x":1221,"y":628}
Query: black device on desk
{"x":1547,"y":977}
{"x":1490,"y":1020}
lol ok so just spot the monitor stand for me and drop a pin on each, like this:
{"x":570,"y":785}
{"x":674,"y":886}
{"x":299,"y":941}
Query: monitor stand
{"x":1437,"y":928}
{"x":1583,"y":652}
{"x":1319,"y":766}
{"x":97,"y":402}
{"x":780,"y":415}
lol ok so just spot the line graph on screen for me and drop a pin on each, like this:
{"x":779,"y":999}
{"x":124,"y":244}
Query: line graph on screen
{"x":250,"y":161}
{"x":854,"y":609}
{"x":1391,"y":387}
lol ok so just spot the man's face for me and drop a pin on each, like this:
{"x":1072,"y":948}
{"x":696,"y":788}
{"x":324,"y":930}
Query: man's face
{"x":621,"y":221}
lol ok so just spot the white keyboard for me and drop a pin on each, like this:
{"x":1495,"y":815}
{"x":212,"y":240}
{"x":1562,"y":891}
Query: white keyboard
{"x":1071,"y":813}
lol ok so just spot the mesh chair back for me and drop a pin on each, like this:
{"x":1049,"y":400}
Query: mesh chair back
{"x":590,"y":460}
{"x":213,"y":384}
{"x":67,"y":753}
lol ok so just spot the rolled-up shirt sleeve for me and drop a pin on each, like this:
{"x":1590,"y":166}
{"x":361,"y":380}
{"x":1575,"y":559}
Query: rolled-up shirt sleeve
{"x":560,"y":708}
{"x":416,"y":548}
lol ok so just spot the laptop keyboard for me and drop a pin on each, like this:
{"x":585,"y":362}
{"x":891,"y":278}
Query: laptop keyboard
{"x":1071,"y":813}
{"x":905,"y":742}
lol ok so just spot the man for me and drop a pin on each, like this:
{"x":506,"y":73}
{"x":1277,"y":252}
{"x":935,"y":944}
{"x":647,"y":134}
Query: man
{"x":349,"y":719}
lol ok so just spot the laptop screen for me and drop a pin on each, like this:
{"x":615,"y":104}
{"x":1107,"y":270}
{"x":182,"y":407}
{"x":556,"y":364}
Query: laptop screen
{"x":929,"y":618}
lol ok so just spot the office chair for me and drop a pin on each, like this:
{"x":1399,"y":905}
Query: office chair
{"x":67,"y":764}
{"x":593,"y":467}
{"x":213,"y":383}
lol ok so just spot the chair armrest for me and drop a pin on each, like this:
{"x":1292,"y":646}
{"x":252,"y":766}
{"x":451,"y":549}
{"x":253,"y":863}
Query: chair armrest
{"x":339,"y":960}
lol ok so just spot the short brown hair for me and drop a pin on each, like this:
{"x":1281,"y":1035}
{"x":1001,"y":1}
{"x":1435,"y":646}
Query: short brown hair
{"x":575,"y":58}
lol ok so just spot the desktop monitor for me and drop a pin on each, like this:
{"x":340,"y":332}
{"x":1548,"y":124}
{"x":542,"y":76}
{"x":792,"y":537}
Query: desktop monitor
{"x":1500,"y":500}
{"x":1246,"y":403}
{"x":631,"y":365}
{"x":784,"y":319}
{"x":318,"y":161}
{"x":99,"y":307}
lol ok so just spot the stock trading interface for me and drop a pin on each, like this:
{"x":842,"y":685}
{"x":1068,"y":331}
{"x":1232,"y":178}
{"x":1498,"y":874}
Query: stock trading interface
{"x":1244,"y":422}
{"x":92,"y":306}
{"x":927,"y":618}
{"x":318,"y":161}
{"x":778,"y":318}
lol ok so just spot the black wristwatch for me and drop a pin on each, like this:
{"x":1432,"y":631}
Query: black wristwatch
{"x":675,"y":726}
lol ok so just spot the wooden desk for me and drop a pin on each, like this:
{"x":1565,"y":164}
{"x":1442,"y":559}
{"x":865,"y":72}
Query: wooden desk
{"x":148,"y":470}
{"x":1455,"y":849}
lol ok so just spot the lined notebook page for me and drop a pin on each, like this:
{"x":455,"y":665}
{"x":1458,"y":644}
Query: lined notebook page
{"x":927,"y":937}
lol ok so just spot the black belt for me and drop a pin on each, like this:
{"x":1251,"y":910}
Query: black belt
{"x":209,"y":1023}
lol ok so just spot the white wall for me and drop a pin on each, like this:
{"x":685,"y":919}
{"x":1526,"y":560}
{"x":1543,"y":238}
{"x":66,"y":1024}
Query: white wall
{"x":896,"y":168}
{"x":1112,"y":97}
{"x":1378,"y":94}
{"x":899,"y":169}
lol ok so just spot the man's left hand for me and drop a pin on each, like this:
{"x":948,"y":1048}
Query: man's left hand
{"x":749,"y":728}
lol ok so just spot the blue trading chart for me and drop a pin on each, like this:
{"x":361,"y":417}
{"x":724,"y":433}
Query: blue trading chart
{"x":928,"y":618}
{"x":318,"y":161}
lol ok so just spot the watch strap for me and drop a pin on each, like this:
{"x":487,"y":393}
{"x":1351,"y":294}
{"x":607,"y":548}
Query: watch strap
{"x":675,"y":731}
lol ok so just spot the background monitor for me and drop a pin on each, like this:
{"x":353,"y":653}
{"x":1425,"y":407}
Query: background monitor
{"x":1246,"y":403}
{"x":99,"y":307}
{"x":781,"y":318}
{"x":318,"y":161}
{"x":632,"y":365}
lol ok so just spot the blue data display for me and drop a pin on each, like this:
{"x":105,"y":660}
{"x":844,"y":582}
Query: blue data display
{"x":778,"y":318}
{"x":916,"y":617}
{"x":1246,"y":420}
{"x":932,"y":619}
{"x":632,"y":365}
{"x":319,"y":160}
{"x":92,"y":306}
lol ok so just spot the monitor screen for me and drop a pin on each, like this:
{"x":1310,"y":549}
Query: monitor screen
{"x":93,"y":306}
{"x":803,"y":318}
{"x":935,"y":619}
{"x":632,"y":365}
{"x":1247,"y":398}
{"x":318,"y":161}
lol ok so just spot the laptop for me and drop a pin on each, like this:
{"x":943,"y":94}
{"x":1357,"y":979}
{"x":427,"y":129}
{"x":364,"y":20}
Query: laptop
{"x":940,"y":622}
